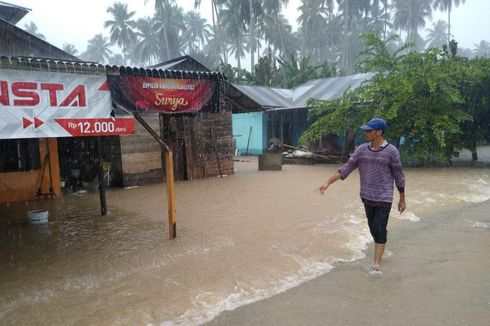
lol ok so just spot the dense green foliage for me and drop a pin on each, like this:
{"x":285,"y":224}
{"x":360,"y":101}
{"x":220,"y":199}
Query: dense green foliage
{"x":435,"y":102}
{"x":279,"y":73}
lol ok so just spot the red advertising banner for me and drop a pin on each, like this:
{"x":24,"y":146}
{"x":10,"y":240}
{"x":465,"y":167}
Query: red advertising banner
{"x":98,"y":127}
{"x":37,"y":104}
{"x":164,"y":95}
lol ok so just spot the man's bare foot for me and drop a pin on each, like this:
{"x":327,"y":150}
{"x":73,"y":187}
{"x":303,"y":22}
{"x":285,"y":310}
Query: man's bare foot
{"x":375,"y":270}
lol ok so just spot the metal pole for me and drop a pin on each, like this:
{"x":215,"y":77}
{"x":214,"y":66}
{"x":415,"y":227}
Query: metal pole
{"x":100,"y":169}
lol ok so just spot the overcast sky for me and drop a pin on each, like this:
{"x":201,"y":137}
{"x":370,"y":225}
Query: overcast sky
{"x":75,"y":22}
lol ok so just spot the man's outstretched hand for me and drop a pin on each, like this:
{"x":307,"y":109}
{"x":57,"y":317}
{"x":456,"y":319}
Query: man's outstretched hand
{"x":322,"y":188}
{"x":402,"y":206}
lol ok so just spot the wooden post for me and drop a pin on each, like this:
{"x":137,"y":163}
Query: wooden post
{"x":281,"y":125}
{"x":215,"y":148}
{"x":49,"y":168}
{"x":54,"y":167}
{"x":169,"y":175}
{"x":248,"y":141}
{"x":169,"y":171}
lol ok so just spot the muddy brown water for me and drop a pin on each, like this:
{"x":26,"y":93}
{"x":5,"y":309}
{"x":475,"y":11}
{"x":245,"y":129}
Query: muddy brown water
{"x":240,"y":238}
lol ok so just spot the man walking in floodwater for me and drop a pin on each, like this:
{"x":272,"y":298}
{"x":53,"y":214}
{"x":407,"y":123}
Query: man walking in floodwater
{"x":379,"y":165}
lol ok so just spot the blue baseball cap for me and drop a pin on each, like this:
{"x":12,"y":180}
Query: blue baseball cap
{"x":375,"y":124}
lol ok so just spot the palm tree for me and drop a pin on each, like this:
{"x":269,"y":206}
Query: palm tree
{"x":263,"y":72}
{"x":197,"y":32}
{"x":275,"y":6}
{"x":234,"y":18}
{"x":98,"y":49}
{"x":410,"y":15}
{"x":332,"y":38}
{"x":379,"y":55}
{"x":482,"y":49}
{"x":31,"y":28}
{"x":293,"y":73}
{"x":169,"y":20}
{"x":216,"y":7}
{"x":351,"y":11}
{"x":212,"y":50}
{"x":386,"y":18}
{"x":117,"y":60}
{"x":379,"y":19}
{"x":278,"y":34}
{"x":447,"y":5}
{"x":146,"y":49}
{"x":465,"y":52}
{"x":255,"y":12}
{"x":70,"y":48}
{"x":239,"y":17}
{"x":121,"y":27}
{"x":312,"y":19}
{"x":272,"y":9}
{"x":436,"y":36}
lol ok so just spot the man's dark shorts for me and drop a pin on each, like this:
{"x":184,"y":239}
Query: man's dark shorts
{"x":377,"y":217}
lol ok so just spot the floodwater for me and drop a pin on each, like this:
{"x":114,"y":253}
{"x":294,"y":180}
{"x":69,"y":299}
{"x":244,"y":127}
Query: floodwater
{"x":240,"y":238}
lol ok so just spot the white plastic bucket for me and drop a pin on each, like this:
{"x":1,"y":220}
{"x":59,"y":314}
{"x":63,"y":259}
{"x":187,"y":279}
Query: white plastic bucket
{"x":38,"y":216}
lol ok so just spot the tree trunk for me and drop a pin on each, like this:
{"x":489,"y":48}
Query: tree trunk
{"x":238,"y":63}
{"x":215,"y":30}
{"x":213,"y":8}
{"x":281,"y":35}
{"x":410,"y":28}
{"x":385,"y":5}
{"x":448,"y":25}
{"x":252,"y":37}
{"x":346,"y":30}
{"x":474,"y":154}
{"x":305,"y":32}
{"x":218,"y":34}
{"x":167,"y":47}
{"x":258,"y":51}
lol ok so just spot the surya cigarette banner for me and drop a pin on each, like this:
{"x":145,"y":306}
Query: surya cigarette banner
{"x":36,"y":104}
{"x":153,"y":94}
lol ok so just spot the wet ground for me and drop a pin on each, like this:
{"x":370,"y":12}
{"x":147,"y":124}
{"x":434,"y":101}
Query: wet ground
{"x":240,"y":238}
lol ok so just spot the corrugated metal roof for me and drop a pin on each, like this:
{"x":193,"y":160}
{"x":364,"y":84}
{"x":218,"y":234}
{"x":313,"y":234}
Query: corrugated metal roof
{"x":2,"y":3}
{"x":21,"y":43}
{"x":185,"y":62}
{"x":326,"y":88}
{"x":267,"y":97}
{"x":12,"y":13}
{"x":322,"y":89}
{"x":45,"y":64}
{"x":164,"y":65}
{"x":92,"y":67}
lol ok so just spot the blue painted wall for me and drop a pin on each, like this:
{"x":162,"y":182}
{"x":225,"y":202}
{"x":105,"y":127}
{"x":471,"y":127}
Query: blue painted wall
{"x":241,"y":127}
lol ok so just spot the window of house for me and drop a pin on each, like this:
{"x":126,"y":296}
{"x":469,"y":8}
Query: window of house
{"x":19,"y":155}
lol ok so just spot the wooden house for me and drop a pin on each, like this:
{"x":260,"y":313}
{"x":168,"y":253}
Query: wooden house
{"x":262,"y":113}
{"x":202,"y":141}
{"x":21,"y":160}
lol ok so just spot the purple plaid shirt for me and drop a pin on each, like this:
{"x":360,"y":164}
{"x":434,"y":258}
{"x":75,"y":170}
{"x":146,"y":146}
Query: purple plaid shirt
{"x":377,"y":170}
